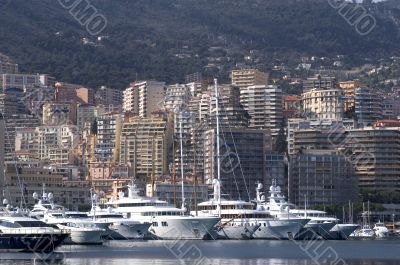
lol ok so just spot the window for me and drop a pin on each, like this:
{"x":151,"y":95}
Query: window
{"x":165,"y":224}
{"x":155,"y":224}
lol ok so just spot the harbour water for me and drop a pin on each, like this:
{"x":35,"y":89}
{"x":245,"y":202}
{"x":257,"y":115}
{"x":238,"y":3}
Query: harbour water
{"x":379,"y":252}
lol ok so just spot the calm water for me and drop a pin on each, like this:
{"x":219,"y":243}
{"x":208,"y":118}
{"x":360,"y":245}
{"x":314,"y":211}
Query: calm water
{"x":218,"y":252}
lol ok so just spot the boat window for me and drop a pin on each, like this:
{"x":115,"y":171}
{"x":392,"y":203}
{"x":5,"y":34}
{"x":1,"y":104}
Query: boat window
{"x":34,"y":224}
{"x":164,"y":224}
{"x":155,"y":224}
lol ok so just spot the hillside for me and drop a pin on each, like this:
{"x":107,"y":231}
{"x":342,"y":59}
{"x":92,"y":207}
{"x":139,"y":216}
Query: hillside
{"x":166,"y":39}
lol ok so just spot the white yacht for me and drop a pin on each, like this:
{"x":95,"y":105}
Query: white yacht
{"x":241,"y":221}
{"x":321,"y":225}
{"x":25,"y":234}
{"x":83,"y":229}
{"x":167,"y":222}
{"x":381,"y":231}
{"x":120,"y":228}
{"x":278,"y":206}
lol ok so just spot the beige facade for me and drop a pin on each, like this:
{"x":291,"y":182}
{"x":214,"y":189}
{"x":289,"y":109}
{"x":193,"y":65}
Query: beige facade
{"x":248,"y":77}
{"x":145,"y":143}
{"x":323,"y":104}
{"x":144,"y":98}
{"x":72,"y":194}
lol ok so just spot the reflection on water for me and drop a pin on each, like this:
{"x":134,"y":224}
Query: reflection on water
{"x":215,"y":252}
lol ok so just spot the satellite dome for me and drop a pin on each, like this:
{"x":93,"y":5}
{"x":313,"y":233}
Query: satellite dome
{"x":50,"y":196}
{"x":35,"y":195}
{"x":260,"y":186}
{"x":5,"y":202}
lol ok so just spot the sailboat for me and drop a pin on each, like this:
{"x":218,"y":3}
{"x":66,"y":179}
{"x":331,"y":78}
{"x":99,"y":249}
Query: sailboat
{"x":365,"y":232}
{"x":240,"y":219}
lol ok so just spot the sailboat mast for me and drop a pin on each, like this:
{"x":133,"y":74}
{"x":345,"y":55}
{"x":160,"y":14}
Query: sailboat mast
{"x":182,"y":173}
{"x":218,"y":154}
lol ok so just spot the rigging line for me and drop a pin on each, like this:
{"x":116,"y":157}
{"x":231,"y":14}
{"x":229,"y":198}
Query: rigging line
{"x":230,"y":162}
{"x":235,"y":147}
{"x":233,"y":171}
{"x":15,"y":163}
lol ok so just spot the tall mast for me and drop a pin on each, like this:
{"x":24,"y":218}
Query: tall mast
{"x":182,"y":173}
{"x":218,"y":155}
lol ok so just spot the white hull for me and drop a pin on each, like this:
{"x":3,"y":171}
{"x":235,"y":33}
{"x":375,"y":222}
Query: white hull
{"x":315,"y":230}
{"x":85,"y":238}
{"x":182,"y":227}
{"x":236,"y":232}
{"x":121,"y":231}
{"x":279,"y":229}
{"x":343,"y":231}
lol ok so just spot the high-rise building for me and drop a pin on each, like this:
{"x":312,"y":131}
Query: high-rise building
{"x":323,"y":104}
{"x":327,"y":129}
{"x":26,"y":82}
{"x":145,"y":145}
{"x":321,"y":178}
{"x":144,"y":98}
{"x":11,"y":102}
{"x":109,"y":97}
{"x":375,"y":154}
{"x":13,"y":123}
{"x":108,"y":133}
{"x":176,"y":97}
{"x":368,"y":106}
{"x":85,"y":115}
{"x":56,"y":143}
{"x":2,"y":153}
{"x":264,"y":104}
{"x":319,"y":82}
{"x":243,"y":78}
{"x":242,"y":159}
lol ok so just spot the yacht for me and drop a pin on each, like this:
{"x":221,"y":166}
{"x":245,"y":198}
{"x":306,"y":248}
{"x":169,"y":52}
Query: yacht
{"x":24,"y":234}
{"x":321,"y":225}
{"x":120,"y":228}
{"x":381,"y":231}
{"x":167,"y":222}
{"x":241,"y":221}
{"x":83,"y":229}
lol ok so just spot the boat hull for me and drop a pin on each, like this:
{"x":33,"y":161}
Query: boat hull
{"x":38,"y":243}
{"x":279,"y":229}
{"x":182,"y":227}
{"x":342,"y":231}
{"x":124,"y":231}
{"x":315,"y":230}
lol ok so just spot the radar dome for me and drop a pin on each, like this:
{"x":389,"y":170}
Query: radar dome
{"x":35,"y":195}
{"x":5,"y":202}
{"x":260,"y":186}
{"x":50,"y":196}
